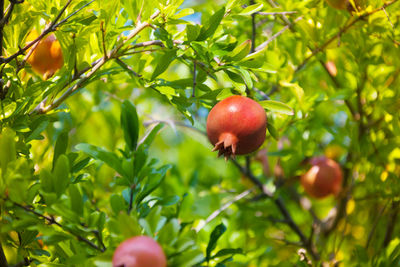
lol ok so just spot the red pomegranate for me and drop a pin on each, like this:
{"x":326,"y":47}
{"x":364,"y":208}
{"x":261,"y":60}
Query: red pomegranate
{"x":324,"y":178}
{"x":236,"y":126}
{"x":139,"y":251}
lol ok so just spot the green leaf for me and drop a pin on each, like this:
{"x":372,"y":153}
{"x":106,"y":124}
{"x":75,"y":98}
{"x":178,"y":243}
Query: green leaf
{"x":76,"y":199}
{"x":35,"y":134}
{"x":211,"y":26}
{"x":251,"y":9}
{"x":98,"y":153}
{"x":163,"y":62}
{"x":153,"y":181}
{"x":155,"y":220}
{"x":117,"y":203}
{"x":149,"y":137}
{"x":192,"y":32}
{"x":246,"y":77}
{"x":61,"y":146}
{"x":7,"y":148}
{"x":168,"y":201}
{"x":240,"y":52}
{"x":130,"y":124}
{"x":277,"y":107}
{"x":215,"y":235}
{"x":61,"y":174}
{"x":46,"y":181}
{"x":227,"y":251}
{"x":271,"y":129}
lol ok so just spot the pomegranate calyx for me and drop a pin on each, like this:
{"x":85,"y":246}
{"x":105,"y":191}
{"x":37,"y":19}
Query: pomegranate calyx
{"x":226,"y":145}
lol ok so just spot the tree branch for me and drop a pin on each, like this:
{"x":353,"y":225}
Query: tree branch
{"x":8,"y":13}
{"x":51,"y":220}
{"x":276,"y":35}
{"x":307,"y":243}
{"x":41,"y":109}
{"x":375,"y":224}
{"x":342,"y":31}
{"x":392,"y":223}
{"x":253,"y":30}
{"x":52,"y":27}
{"x":224,"y":207}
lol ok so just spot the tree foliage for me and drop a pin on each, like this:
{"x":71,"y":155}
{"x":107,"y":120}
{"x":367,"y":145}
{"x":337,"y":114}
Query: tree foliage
{"x":113,"y":145}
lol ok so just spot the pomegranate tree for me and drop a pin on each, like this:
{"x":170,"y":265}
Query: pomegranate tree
{"x":236,"y":126}
{"x":323,"y":178}
{"x":139,"y":251}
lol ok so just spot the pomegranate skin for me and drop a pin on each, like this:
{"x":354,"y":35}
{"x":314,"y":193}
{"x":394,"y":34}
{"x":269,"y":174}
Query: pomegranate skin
{"x":139,"y":251}
{"x":324,"y":178}
{"x":236,"y":126}
{"x":47,"y":57}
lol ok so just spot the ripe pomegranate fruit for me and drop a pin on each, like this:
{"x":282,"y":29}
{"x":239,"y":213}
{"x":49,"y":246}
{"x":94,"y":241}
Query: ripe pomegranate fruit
{"x":324,"y":178}
{"x":139,"y":251}
{"x":47,"y":57}
{"x":236,"y":126}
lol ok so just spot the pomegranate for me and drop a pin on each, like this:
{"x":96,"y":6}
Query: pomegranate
{"x":47,"y":57}
{"x":324,"y":178}
{"x":236,"y":126}
{"x":139,"y":251}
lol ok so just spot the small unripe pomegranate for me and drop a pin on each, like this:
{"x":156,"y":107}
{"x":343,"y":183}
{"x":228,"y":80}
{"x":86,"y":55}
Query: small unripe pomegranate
{"x":324,"y":178}
{"x":139,"y":251}
{"x":236,"y":126}
{"x":47,"y":57}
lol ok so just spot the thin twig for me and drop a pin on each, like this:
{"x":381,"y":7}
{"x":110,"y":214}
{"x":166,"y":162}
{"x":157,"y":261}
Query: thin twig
{"x":128,"y":67}
{"x":337,"y":85}
{"x":72,"y":14}
{"x":276,"y":13}
{"x":253,"y":30}
{"x":142,"y":51}
{"x":387,"y":15}
{"x":342,"y":31}
{"x":392,"y":223}
{"x":282,"y":208}
{"x":276,"y":35}
{"x":224,"y":207}
{"x":98,"y":65}
{"x":375,"y":224}
{"x":103,"y":38}
{"x":50,"y":28}
{"x":8,"y":13}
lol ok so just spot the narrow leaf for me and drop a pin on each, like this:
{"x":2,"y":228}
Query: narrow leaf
{"x":163,"y":62}
{"x":277,"y":107}
{"x":76,"y":199}
{"x":130,"y":124}
{"x":240,"y":52}
{"x":60,"y":147}
{"x":7,"y":147}
{"x":209,"y":29}
{"x":61,"y":174}
{"x":215,"y":235}
{"x":100,"y":154}
{"x":192,"y":32}
{"x":251,"y":9}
